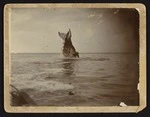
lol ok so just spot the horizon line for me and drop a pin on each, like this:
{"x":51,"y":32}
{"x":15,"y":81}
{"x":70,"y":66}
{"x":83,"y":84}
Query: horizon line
{"x":61,"y":53}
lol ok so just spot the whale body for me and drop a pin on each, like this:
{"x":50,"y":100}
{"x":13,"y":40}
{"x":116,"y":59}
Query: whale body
{"x":68,"y":48}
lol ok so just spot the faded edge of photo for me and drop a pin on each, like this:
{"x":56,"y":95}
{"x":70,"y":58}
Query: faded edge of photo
{"x":53,"y":109}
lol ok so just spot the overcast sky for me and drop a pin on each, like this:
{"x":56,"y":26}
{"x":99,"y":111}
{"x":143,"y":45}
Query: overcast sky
{"x":35,"y":30}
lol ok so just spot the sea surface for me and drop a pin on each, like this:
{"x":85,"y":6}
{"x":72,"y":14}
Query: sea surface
{"x":91,"y":80}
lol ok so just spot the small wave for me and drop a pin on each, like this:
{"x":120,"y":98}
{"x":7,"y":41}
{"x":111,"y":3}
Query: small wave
{"x":44,"y":85}
{"x":95,"y":59}
{"x":39,"y":62}
{"x":84,"y":59}
{"x":107,"y":76}
{"x":54,"y":70}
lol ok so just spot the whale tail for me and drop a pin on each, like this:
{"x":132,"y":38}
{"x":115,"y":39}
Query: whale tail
{"x":68,"y":48}
{"x":69,"y":35}
{"x":65,"y":35}
{"x":62,"y":35}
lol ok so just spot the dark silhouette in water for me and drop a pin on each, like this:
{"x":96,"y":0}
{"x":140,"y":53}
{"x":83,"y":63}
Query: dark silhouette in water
{"x":68,"y":48}
{"x":20,"y":98}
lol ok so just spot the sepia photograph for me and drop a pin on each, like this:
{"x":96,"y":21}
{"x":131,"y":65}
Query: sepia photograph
{"x":73,"y":56}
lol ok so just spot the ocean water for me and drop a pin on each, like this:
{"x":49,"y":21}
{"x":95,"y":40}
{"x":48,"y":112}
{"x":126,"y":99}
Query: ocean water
{"x":91,"y":80}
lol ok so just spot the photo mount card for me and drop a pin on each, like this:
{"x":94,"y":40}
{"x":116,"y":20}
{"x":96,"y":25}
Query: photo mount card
{"x":73,"y":58}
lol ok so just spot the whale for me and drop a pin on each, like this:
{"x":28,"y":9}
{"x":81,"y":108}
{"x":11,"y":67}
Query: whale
{"x":68,"y":48}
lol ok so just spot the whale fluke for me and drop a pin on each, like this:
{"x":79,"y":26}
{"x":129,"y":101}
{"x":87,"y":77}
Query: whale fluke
{"x":62,"y":35}
{"x":68,"y":48}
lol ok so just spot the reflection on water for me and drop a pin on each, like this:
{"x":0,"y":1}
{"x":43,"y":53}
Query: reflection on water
{"x":91,"y":80}
{"x":68,"y":65}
